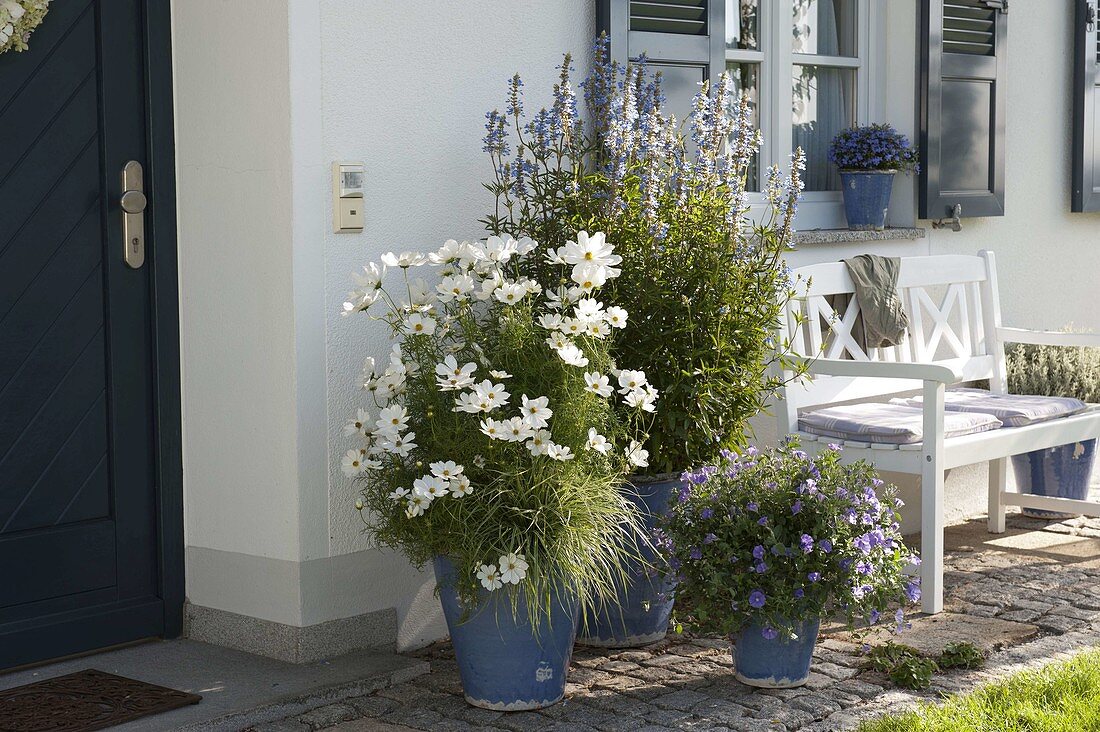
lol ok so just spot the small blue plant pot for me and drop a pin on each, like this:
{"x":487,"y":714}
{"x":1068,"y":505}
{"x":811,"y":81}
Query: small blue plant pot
{"x":503,"y":662}
{"x":643,"y":606}
{"x":778,"y":663}
{"x":866,"y":198}
{"x":1062,"y":472}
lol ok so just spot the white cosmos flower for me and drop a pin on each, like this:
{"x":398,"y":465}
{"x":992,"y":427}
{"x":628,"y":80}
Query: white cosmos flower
{"x":499,"y":374}
{"x":418,"y":324}
{"x":589,"y":277}
{"x":590,"y":248}
{"x":404,"y":259}
{"x":479,"y":461}
{"x":372,"y":276}
{"x":472,"y":403}
{"x":637,"y":455}
{"x":431,"y":486}
{"x":556,"y":299}
{"x":358,"y":424}
{"x":399,"y":493}
{"x":489,"y":285}
{"x":539,"y":444}
{"x":398,"y":445}
{"x":572,"y":326}
{"x":352,"y":463}
{"x":631,"y":381}
{"x":597,"y":383}
{"x":588,"y":309}
{"x":416,"y":504}
{"x":392,"y":420}
{"x":449,"y":252}
{"x":536,"y":412}
{"x":644,"y":398}
{"x":573,"y":356}
{"x":510,"y":293}
{"x":446,"y":469}
{"x":598,"y":329}
{"x":494,"y":394}
{"x":420,"y":295}
{"x":460,"y":486}
{"x":500,"y":250}
{"x":525,"y":246}
{"x":550,"y":321}
{"x":360,"y":300}
{"x":597,"y":442}
{"x":555,"y":256}
{"x":456,"y":287}
{"x":450,"y":376}
{"x":490,"y":577}
{"x":517,"y":429}
{"x":494,"y":429}
{"x":559,"y":452}
{"x":558,"y":340}
{"x":513,"y":568}
{"x":615,"y":317}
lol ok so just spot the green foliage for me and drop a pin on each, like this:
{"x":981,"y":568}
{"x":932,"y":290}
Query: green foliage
{"x":775,"y":538}
{"x":913,"y":672}
{"x":1054,"y":371}
{"x":961,"y":655}
{"x":884,"y":657}
{"x":1062,"y":697}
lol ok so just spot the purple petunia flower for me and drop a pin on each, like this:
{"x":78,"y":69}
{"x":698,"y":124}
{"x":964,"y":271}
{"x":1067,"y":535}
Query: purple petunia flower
{"x":763,"y":521}
{"x":796,"y":507}
{"x":769,"y":633}
{"x":709,"y":539}
{"x":814,"y":576}
{"x":758,"y":552}
{"x":761,"y":568}
{"x":912,"y":591}
{"x":825,"y":545}
{"x":695,"y":553}
{"x":799,"y":593}
{"x":757,"y":599}
{"x":807,"y":543}
{"x":706,"y":513}
{"x":874,"y":617}
{"x":864,"y":567}
{"x":753,"y":506}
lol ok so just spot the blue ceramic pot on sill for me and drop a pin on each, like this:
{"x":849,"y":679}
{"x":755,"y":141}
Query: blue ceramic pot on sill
{"x":1061,"y":472}
{"x":779,"y":663}
{"x":504,"y":664}
{"x":866,"y":198}
{"x":642,"y":609}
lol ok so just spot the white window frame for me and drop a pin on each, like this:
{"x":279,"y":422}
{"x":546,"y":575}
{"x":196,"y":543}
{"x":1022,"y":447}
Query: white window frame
{"x":818,"y":209}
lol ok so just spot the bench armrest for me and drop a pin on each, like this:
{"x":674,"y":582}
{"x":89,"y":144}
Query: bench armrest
{"x":1048,"y":337}
{"x":884,"y":370}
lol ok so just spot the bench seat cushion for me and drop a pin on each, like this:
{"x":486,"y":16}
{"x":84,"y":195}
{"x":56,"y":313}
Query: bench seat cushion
{"x":890,"y":424}
{"x":1014,"y":410}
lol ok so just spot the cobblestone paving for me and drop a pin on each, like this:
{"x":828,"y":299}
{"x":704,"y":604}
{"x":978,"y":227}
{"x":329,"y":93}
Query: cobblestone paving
{"x":1038,"y":574}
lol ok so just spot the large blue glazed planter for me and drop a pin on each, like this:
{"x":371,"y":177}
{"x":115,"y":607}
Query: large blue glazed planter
{"x":503,"y":663}
{"x":866,"y":198}
{"x":1062,"y":472}
{"x":774,"y":664}
{"x":644,"y":605}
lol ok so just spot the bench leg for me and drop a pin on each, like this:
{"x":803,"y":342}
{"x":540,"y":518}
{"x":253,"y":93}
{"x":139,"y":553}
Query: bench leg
{"x":931,"y":499}
{"x":998,"y":481}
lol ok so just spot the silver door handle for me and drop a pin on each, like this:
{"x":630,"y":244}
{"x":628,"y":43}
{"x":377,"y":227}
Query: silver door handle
{"x":133,"y":204}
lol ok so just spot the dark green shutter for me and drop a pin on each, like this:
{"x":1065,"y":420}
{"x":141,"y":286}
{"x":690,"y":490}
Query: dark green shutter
{"x":1086,"y":105}
{"x":962,"y":105}
{"x":683,"y":39}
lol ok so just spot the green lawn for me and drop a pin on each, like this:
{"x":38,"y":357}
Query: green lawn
{"x":1062,"y":697}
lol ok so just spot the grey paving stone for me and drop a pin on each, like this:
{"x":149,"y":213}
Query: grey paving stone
{"x":329,"y":715}
{"x":719,"y":711}
{"x":1057,"y":623}
{"x":372,"y":706}
{"x":682,"y":700}
{"x":818,"y":705}
{"x":282,"y":725}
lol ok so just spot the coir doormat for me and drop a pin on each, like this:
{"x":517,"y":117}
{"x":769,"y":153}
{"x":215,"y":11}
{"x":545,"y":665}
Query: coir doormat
{"x":84,"y":701}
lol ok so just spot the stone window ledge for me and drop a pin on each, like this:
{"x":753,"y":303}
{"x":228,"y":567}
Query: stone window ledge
{"x":837,"y":236}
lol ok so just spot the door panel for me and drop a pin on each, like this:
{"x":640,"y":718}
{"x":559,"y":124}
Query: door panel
{"x":78,"y":488}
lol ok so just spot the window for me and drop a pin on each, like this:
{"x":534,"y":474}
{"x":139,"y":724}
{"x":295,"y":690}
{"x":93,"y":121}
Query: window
{"x":805,"y":66}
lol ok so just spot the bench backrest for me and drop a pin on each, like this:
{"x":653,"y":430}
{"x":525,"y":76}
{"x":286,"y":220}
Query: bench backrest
{"x":954,"y":314}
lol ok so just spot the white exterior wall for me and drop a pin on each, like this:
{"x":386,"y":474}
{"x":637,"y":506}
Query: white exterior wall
{"x":270,"y":93}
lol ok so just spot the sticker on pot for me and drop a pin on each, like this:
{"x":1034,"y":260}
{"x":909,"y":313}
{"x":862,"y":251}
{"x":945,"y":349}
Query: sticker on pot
{"x":544,"y":672}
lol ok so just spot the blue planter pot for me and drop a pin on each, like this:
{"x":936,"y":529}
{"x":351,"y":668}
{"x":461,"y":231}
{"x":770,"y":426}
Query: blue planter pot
{"x":866,"y":198}
{"x":774,"y":664}
{"x":1062,"y":472}
{"x":503,"y":663}
{"x":640,"y":615}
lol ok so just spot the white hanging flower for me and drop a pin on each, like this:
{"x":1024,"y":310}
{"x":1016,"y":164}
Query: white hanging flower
{"x":494,"y":394}
{"x":597,"y":383}
{"x":559,"y":452}
{"x":536,"y":412}
{"x":446,"y":469}
{"x":420,"y":295}
{"x":615,"y":317}
{"x":449,"y":252}
{"x":398,"y":445}
{"x":631,"y":380}
{"x":539,"y":444}
{"x":431,"y":486}
{"x":644,"y":398}
{"x":472,"y":402}
{"x":490,"y":577}
{"x":597,"y":442}
{"x":358,"y":424}
{"x":525,"y":246}
{"x":499,"y":374}
{"x":372,"y":278}
{"x":550,"y":321}
{"x":637,"y":455}
{"x":398,"y":493}
{"x":451,"y":377}
{"x":404,"y":260}
{"x":513,"y":568}
{"x":418,"y":324}
{"x":457,"y":288}
{"x":360,"y":300}
{"x":460,"y":486}
{"x":392,"y":420}
{"x":573,"y":356}
{"x":416,"y":504}
{"x":352,"y":463}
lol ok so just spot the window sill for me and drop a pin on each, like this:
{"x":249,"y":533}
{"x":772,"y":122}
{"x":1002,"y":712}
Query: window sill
{"x":837,"y":236}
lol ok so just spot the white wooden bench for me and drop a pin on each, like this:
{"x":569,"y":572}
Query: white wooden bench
{"x":955,"y":335}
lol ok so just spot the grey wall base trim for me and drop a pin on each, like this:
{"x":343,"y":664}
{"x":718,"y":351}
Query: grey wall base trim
{"x":376,"y":630}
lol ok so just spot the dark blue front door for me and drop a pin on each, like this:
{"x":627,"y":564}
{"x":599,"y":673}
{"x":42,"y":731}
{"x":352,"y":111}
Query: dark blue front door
{"x":78,"y":490}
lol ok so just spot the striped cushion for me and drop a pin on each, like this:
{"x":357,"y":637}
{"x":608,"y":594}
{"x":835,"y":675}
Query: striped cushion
{"x":890,"y":424}
{"x":1014,"y":410}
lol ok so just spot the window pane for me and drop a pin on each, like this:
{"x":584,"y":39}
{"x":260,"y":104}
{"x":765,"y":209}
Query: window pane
{"x":746,"y":80}
{"x":825,"y":27}
{"x":743,"y":24}
{"x":824,"y":104}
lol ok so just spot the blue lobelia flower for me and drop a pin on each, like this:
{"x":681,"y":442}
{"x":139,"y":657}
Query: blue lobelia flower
{"x":769,"y":633}
{"x":807,"y":543}
{"x":757,"y":599}
{"x":814,"y":576}
{"x":758,"y":552}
